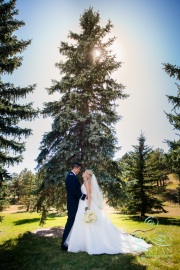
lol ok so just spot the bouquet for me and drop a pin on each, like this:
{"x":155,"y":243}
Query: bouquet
{"x":90,"y":217}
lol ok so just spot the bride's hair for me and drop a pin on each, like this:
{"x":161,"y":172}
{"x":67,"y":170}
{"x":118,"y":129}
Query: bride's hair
{"x":96,"y":193}
{"x":89,"y":174}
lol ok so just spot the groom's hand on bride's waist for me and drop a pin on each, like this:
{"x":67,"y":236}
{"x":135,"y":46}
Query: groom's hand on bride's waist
{"x":83,"y":197}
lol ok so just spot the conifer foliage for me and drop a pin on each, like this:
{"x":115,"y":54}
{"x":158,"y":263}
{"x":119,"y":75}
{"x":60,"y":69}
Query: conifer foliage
{"x":11,"y":113}
{"x":142,"y":174}
{"x":85,"y":114}
{"x":174,"y":119}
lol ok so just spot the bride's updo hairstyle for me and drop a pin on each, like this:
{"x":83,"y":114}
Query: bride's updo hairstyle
{"x":89,"y":174}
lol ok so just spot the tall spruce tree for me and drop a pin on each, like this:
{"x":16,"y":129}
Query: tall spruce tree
{"x":142,"y":177}
{"x":11,"y":113}
{"x":84,"y":116}
{"x":174,"y":119}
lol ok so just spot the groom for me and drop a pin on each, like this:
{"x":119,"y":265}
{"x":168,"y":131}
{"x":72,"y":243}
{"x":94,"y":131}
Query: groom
{"x":74,"y":193}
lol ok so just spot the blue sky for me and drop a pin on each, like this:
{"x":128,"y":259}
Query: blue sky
{"x":147,"y":35}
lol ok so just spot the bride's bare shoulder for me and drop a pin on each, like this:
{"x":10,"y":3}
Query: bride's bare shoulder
{"x":87,"y":182}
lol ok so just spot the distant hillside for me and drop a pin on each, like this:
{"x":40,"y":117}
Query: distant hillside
{"x":170,"y":193}
{"x":173,"y":182}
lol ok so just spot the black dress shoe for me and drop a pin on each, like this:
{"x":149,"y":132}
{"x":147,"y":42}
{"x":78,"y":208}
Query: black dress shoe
{"x":63,"y":247}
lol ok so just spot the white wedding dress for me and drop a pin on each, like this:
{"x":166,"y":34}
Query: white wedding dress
{"x":101,"y":236}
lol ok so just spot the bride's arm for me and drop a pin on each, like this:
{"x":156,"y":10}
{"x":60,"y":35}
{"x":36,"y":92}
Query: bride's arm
{"x":88,"y":189}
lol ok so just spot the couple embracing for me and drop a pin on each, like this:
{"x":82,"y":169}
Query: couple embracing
{"x":97,"y":237}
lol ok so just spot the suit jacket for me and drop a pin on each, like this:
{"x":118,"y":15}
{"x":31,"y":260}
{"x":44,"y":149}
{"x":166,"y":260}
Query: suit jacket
{"x":74,"y":193}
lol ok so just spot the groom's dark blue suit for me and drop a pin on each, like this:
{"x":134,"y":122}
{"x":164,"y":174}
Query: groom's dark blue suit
{"x":74,"y":193}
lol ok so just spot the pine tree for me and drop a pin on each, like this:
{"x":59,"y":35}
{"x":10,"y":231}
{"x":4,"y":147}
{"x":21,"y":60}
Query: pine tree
{"x":158,"y":158}
{"x":27,"y":185}
{"x":11,"y":113}
{"x":84,"y":116}
{"x":15,"y":189}
{"x":142,"y":178}
{"x":174,"y":119}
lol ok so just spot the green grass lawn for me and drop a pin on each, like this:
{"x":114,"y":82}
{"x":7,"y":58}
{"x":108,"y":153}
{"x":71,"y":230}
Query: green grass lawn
{"x":21,"y":249}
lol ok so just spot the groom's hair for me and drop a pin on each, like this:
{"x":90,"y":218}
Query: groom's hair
{"x":76,"y":165}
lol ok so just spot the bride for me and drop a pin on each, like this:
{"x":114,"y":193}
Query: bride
{"x":99,"y":236}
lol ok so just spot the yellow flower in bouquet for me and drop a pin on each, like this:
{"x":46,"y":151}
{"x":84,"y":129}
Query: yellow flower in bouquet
{"x":90,"y":217}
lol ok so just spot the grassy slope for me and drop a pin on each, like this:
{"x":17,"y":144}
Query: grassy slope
{"x":173,"y":182}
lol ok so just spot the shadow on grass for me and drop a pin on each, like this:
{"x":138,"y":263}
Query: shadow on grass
{"x":161,"y":220}
{"x":31,"y":220}
{"x":19,"y":212}
{"x":24,"y":221}
{"x":54,"y":215}
{"x":34,"y":252}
